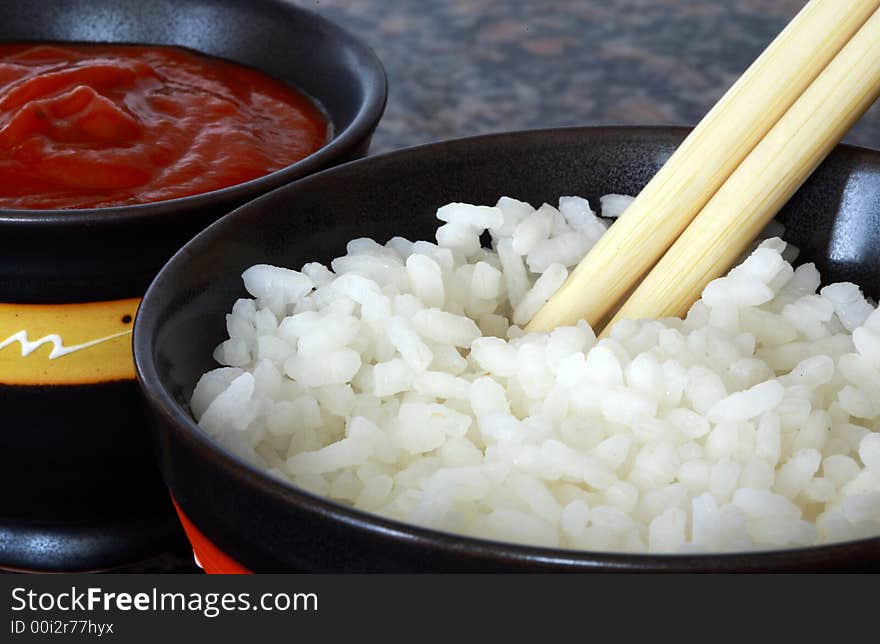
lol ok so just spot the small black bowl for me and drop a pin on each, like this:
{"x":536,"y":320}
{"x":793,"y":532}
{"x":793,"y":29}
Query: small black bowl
{"x":267,"y":525}
{"x":82,"y":488}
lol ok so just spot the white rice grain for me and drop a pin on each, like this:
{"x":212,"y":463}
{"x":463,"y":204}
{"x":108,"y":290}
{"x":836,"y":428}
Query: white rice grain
{"x":400,"y":380}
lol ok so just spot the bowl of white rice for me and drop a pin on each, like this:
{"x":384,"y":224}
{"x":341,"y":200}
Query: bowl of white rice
{"x":341,"y":379}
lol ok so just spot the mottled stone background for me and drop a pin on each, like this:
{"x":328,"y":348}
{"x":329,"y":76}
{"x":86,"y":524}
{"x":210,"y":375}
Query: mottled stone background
{"x":463,"y":67}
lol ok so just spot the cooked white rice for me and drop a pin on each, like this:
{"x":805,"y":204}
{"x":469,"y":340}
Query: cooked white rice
{"x":394,"y":381}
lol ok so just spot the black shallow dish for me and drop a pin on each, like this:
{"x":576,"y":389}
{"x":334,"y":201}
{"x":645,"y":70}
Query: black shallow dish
{"x":270,"y":526}
{"x":81,"y":487}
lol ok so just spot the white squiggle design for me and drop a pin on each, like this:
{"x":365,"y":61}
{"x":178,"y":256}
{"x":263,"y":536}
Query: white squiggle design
{"x":58,"y":348}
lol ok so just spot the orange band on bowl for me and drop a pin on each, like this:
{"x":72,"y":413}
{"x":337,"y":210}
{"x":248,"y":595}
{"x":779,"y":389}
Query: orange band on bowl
{"x":211,"y":559}
{"x":66,"y":344}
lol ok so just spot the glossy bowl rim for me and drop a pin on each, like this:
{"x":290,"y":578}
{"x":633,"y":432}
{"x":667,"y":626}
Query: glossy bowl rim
{"x":180,"y":421}
{"x":374,"y":80}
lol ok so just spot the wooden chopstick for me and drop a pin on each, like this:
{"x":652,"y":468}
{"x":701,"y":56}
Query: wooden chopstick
{"x":765,"y":180}
{"x":704,"y":161}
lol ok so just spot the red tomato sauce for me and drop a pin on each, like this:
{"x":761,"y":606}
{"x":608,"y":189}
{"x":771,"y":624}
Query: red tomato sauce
{"x":86,"y":126}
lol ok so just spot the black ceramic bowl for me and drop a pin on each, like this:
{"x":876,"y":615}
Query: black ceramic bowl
{"x":267,"y":525}
{"x":82,"y":490}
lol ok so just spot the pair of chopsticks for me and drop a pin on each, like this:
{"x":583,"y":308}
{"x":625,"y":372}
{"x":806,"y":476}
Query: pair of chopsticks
{"x":733,"y":173}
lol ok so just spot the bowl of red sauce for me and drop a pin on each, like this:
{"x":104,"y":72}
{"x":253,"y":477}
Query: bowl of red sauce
{"x":125,"y":129}
{"x":103,"y":125}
